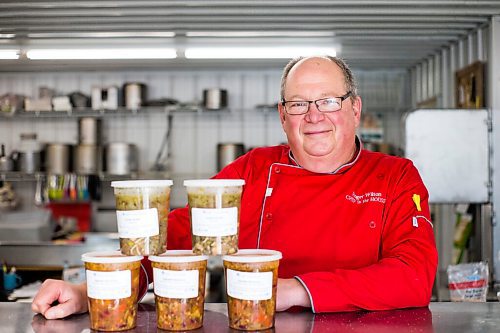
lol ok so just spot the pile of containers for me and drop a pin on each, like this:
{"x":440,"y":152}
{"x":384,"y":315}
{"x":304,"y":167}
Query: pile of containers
{"x":179,"y":275}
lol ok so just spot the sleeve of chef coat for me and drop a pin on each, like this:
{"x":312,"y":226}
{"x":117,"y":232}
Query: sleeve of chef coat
{"x":403,"y":276}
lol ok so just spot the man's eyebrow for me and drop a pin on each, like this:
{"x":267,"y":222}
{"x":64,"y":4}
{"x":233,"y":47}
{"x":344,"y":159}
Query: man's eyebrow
{"x":298,"y":97}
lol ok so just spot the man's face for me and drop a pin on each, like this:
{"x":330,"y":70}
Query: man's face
{"x":318,"y":137}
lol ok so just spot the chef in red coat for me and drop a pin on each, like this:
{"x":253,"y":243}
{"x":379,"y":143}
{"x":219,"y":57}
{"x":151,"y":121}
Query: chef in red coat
{"x":353,"y":225}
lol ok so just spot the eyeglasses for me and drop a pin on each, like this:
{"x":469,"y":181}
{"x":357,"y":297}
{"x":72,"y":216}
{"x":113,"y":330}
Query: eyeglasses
{"x":330,"y":104}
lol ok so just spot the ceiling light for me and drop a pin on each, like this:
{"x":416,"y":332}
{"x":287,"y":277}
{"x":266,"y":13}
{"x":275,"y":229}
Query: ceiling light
{"x":260,"y":34}
{"x":89,"y":54}
{"x":110,"y":34}
{"x":7,"y":36}
{"x":255,"y":52}
{"x":9,"y":54}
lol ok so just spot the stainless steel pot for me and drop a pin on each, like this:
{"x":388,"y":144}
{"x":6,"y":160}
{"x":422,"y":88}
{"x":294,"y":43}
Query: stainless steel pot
{"x":6,"y":162}
{"x":228,"y":152}
{"x":120,"y":158}
{"x":135,"y":95}
{"x":87,"y":159}
{"x":214,"y":99}
{"x":30,"y":153}
{"x":58,"y":158}
{"x":89,"y":131}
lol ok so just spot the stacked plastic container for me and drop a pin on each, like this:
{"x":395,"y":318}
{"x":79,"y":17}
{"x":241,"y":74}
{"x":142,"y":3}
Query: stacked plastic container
{"x":252,"y":274}
{"x":179,"y":275}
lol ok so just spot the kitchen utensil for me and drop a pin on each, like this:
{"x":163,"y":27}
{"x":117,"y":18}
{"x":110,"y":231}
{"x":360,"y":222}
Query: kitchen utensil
{"x":87,"y":159}
{"x":58,"y":158}
{"x":214,"y":99}
{"x":6,"y":163}
{"x":135,"y":95}
{"x":228,"y":152}
{"x":105,"y":98}
{"x":30,"y":155}
{"x":61,"y":103}
{"x":120,"y":158}
{"x":39,"y":193}
{"x":79,"y":100}
{"x":89,"y":131}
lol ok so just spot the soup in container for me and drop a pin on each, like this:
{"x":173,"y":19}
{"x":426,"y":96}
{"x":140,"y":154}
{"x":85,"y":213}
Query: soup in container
{"x":179,"y":287}
{"x":251,"y":282}
{"x":214,"y":211}
{"x":112,"y":289}
{"x":142,"y":208}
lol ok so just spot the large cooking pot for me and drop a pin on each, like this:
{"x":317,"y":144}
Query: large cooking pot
{"x":30,"y":153}
{"x":88,"y":159}
{"x":58,"y":160}
{"x":134,"y":95}
{"x":89,"y":131}
{"x":214,"y":99}
{"x":228,"y":152}
{"x":120,"y":158}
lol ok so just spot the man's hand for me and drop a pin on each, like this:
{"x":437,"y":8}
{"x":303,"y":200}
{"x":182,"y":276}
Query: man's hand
{"x":72,"y":298}
{"x":291,"y":293}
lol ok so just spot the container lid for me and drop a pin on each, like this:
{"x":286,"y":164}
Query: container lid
{"x":213,"y":182}
{"x":253,"y":255}
{"x":178,"y":256}
{"x":108,"y":257}
{"x":142,"y":183}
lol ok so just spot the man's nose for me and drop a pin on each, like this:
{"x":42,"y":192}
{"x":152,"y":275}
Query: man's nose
{"x":313,"y":113}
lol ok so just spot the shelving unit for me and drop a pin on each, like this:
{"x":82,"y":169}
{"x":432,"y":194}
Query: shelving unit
{"x":120,"y":112}
{"x":18,"y":176}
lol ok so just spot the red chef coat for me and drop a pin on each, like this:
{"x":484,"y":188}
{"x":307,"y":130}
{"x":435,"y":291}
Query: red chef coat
{"x":357,"y":238}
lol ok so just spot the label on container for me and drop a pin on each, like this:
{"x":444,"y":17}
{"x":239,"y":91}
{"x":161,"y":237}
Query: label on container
{"x":109,"y":285}
{"x":250,"y":286}
{"x":138,"y":223}
{"x":214,"y":221}
{"x":176,"y":284}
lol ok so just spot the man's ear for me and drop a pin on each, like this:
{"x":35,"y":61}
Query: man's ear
{"x":281,"y":110}
{"x":356,"y":108}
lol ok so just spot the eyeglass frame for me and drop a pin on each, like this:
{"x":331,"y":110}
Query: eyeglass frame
{"x":342,"y":98}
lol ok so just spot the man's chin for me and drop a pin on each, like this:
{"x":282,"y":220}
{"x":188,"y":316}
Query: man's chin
{"x":317,"y":151}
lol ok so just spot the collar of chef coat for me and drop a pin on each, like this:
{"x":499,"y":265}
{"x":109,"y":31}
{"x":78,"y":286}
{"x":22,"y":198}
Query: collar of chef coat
{"x":343,"y":168}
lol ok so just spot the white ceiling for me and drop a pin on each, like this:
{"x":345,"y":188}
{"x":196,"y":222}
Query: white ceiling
{"x":371,"y":34}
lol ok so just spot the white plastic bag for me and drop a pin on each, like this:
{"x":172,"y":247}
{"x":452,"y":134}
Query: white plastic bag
{"x":468,"y":282}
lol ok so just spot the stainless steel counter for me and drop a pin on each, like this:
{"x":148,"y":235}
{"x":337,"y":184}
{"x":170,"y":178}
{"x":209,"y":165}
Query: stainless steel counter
{"x":439,"y":317}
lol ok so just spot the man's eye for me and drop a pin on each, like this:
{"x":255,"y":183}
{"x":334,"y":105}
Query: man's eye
{"x":329,"y":101}
{"x":298,"y":104}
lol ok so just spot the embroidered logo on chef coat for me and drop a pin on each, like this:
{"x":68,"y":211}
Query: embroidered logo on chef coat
{"x":365,"y":198}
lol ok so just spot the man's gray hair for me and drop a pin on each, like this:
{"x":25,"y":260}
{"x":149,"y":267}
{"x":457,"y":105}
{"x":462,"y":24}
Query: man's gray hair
{"x":350,"y":83}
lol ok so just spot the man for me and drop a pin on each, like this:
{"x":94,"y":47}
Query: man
{"x":353,"y":226}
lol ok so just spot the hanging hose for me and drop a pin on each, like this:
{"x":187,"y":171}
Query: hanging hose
{"x":162,"y":159}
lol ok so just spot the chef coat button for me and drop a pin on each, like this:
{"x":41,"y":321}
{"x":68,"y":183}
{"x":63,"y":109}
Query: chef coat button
{"x":269,"y":216}
{"x":380,"y":176}
{"x":372,"y":224}
{"x":277,"y":169}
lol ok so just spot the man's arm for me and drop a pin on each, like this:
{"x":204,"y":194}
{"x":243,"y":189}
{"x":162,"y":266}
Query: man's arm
{"x":59,"y":299}
{"x":291,"y":293}
{"x":404,"y":274}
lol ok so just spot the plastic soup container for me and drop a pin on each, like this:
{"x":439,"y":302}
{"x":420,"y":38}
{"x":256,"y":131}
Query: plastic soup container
{"x":179,"y":287}
{"x":214,"y":210}
{"x":112,"y":290}
{"x":251,"y":280}
{"x":142,"y":208}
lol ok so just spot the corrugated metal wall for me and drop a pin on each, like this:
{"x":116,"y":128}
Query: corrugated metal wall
{"x":194,"y":135}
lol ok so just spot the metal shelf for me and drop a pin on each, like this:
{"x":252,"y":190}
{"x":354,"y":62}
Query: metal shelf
{"x":82,"y":112}
{"x":14,"y":176}
{"x":120,"y":112}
